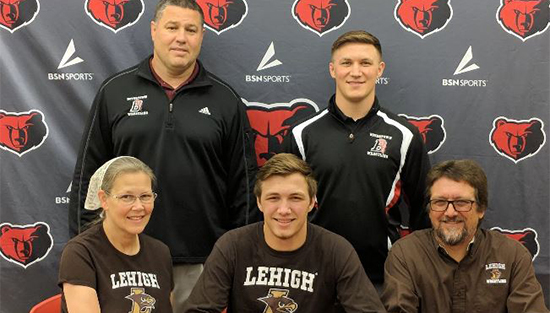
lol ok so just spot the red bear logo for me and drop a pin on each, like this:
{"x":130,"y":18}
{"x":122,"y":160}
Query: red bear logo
{"x":423,"y":17}
{"x":321,"y":16}
{"x":272,"y":122}
{"x":527,"y":237}
{"x":431,"y":129}
{"x":115,"y":14}
{"x":222,"y":15}
{"x":15,"y":14}
{"x":524,"y":18}
{"x":25,"y":245}
{"x":517,"y":140}
{"x":22,"y":132}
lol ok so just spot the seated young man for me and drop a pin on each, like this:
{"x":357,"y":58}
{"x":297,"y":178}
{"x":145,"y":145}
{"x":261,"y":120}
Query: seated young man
{"x":283,"y":263}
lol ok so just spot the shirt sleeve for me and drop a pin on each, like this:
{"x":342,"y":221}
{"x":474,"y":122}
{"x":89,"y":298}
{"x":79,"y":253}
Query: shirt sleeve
{"x":355,"y":291}
{"x":398,"y":294}
{"x":289,"y":144}
{"x":96,"y":148}
{"x":525,"y":291}
{"x":415,"y":169}
{"x":212,"y":290}
{"x":76,"y":267}
{"x":242,"y":167}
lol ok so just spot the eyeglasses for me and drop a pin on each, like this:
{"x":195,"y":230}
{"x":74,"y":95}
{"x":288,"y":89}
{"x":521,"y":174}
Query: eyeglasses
{"x":128,"y":199}
{"x":441,"y":205}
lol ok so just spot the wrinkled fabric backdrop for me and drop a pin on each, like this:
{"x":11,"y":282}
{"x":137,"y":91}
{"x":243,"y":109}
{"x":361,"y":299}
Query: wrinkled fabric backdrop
{"x":472,"y":75}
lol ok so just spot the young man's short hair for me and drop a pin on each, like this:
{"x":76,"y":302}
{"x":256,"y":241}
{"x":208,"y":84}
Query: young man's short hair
{"x":285,"y":164}
{"x":357,"y":36}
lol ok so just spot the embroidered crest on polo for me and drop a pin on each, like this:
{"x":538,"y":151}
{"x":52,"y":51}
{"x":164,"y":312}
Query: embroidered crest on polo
{"x":205,"y":111}
{"x":136,"y":105}
{"x":494,"y":270}
{"x":380,"y":146}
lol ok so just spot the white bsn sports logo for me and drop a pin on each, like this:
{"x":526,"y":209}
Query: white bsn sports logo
{"x":68,"y":54}
{"x":269,"y":54}
{"x":462,"y":68}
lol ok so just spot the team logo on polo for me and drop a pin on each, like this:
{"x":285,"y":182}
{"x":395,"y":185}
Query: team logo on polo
{"x":271,"y":124}
{"x":25,"y":245}
{"x":22,"y":132}
{"x":141,"y":301}
{"x":527,"y":237}
{"x":517,"y":140}
{"x":136,"y":105}
{"x":321,"y":16}
{"x":15,"y":14}
{"x":277,"y":301}
{"x":423,"y":17}
{"x":378,"y":149}
{"x":431,"y":129}
{"x":494,"y":273}
{"x":222,"y":15}
{"x":524,"y":18}
{"x":115,"y":14}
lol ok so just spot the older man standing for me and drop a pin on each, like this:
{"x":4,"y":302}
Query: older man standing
{"x":189,"y":127}
{"x":456,"y":266}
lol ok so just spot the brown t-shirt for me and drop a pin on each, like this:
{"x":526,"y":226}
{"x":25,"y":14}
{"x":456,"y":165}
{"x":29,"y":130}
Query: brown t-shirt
{"x":496,"y":276}
{"x":123,"y":283}
{"x":245,"y":275}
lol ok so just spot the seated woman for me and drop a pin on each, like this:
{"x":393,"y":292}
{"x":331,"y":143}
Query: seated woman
{"x":112,"y":267}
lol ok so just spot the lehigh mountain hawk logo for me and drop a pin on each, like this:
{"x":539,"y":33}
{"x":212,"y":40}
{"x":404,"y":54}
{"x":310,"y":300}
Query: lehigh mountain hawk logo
{"x":22,"y":132}
{"x":423,"y":17}
{"x":222,"y":15}
{"x":114,"y":14}
{"x":321,"y":16}
{"x":277,"y":301}
{"x":15,"y":14}
{"x":271,"y":124}
{"x":25,"y":245}
{"x":524,"y":18}
{"x":517,"y":140}
{"x":141,"y":301}
{"x":431,"y":129}
{"x":526,"y":236}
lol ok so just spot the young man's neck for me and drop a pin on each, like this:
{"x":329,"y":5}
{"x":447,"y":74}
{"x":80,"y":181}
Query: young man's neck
{"x":354,"y":110}
{"x":285,"y":245}
{"x":173,"y":78}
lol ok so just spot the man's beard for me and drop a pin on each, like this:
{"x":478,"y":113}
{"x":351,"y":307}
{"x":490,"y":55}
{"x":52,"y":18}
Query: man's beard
{"x":453,"y":236}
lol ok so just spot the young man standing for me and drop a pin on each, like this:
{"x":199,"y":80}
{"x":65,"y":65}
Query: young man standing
{"x":283,"y":264}
{"x":370,"y":163}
